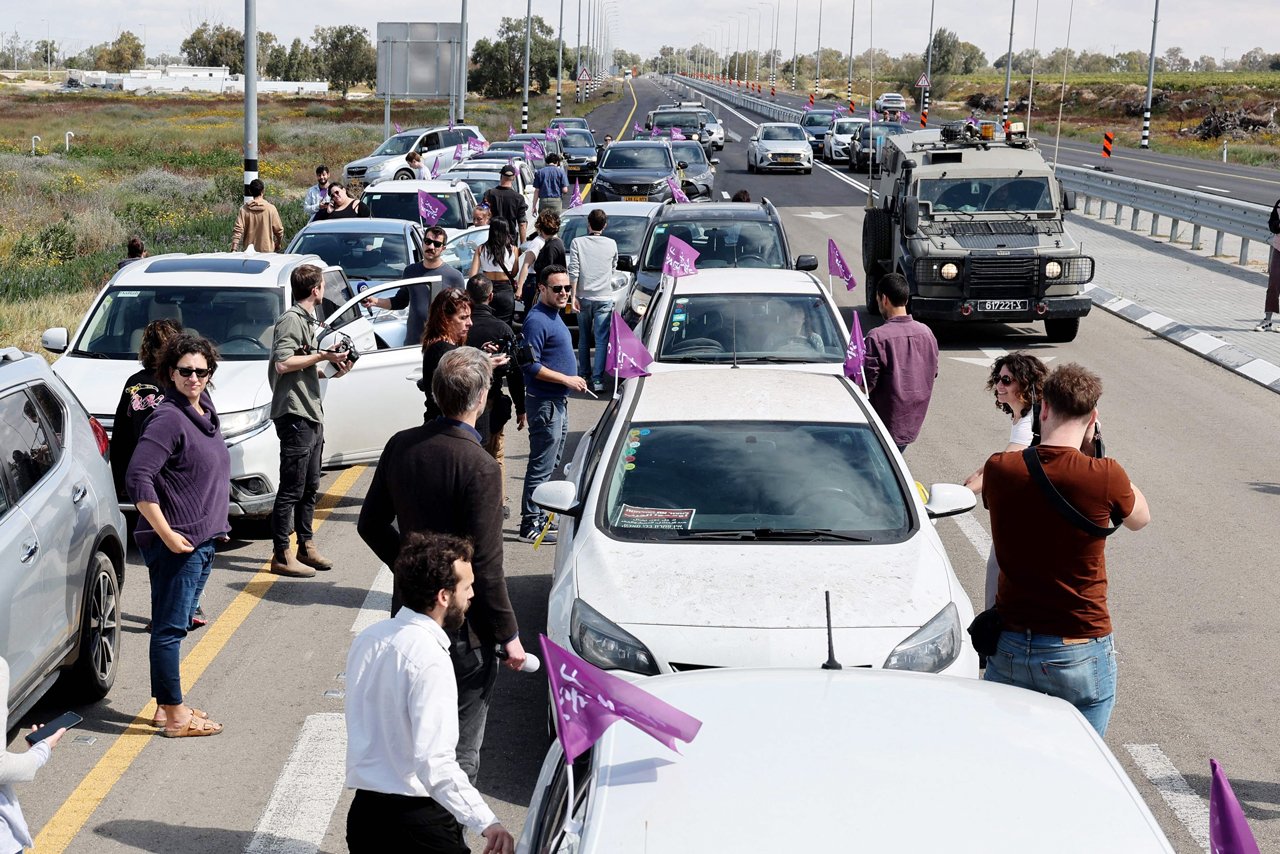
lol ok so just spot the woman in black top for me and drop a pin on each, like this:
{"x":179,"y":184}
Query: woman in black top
{"x":341,"y":205}
{"x":448,"y":323}
{"x":499,"y":262}
{"x":142,"y":393}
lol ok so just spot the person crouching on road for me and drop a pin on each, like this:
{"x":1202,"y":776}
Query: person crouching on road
{"x":1052,"y":591}
{"x":901,"y":365}
{"x":258,"y":223}
{"x":412,"y":796}
{"x":298,"y":414}
{"x":180,"y":480}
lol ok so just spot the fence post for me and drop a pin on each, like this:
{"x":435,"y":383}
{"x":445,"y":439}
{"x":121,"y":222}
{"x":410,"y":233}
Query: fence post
{"x":1133,"y":221}
{"x":1244,"y":251}
{"x":1195,"y":237}
{"x":1217,"y":242}
{"x":1102,"y":208}
{"x":1087,"y":203}
{"x":1119,"y":211}
{"x":1173,"y":231}
{"x":1155,"y":224}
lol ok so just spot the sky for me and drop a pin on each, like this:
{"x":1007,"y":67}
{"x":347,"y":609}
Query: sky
{"x":642,"y":26}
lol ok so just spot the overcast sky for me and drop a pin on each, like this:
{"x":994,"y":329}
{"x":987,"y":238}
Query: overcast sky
{"x":1197,"y":26}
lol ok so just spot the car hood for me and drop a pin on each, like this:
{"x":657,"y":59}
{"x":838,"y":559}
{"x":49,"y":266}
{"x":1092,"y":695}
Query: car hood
{"x":785,"y":146}
{"x":633,"y":176}
{"x":370,"y":161}
{"x":580,"y":150}
{"x":764,"y":585}
{"x":239,"y":385}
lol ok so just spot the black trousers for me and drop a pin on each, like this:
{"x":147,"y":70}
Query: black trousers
{"x":301,"y":452}
{"x":378,"y":823}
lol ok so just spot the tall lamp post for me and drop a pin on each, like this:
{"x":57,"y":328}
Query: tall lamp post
{"x":852,"y":17}
{"x":528,"y":37}
{"x":560,"y":57}
{"x":795,"y":47}
{"x":251,"y":94}
{"x":1151,"y":80}
{"x":817,"y":54}
{"x":1008,"y":62}
{"x":928,"y":72}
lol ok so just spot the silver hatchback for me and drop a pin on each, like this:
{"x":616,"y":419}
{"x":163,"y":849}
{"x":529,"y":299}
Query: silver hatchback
{"x":62,"y":539}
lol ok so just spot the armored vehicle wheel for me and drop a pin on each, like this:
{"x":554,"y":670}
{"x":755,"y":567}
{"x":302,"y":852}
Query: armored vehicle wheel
{"x":877,"y":242}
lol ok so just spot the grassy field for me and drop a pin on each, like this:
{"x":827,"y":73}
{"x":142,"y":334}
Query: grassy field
{"x":167,"y":169}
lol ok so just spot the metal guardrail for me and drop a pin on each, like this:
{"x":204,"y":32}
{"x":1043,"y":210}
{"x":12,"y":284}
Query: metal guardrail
{"x":1245,"y":220}
{"x":776,"y":112}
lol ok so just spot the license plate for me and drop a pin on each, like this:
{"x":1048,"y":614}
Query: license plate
{"x":788,"y":158}
{"x":1004,"y":305}
{"x":635,"y":198}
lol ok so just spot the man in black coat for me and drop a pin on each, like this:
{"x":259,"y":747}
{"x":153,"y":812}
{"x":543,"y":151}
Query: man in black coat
{"x":437,"y":477}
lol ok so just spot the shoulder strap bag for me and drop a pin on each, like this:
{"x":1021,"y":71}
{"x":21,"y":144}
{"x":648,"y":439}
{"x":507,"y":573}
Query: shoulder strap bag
{"x":1064,"y":508}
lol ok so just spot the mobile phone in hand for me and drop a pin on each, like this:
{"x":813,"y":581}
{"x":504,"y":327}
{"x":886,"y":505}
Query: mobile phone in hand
{"x":63,"y":721}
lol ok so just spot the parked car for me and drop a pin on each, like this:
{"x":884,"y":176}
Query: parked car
{"x":62,"y":538}
{"x":387,"y":160}
{"x":399,"y":200}
{"x":694,"y":480}
{"x":481,"y":175}
{"x":779,"y":145}
{"x":766,"y":318}
{"x":581,"y":153}
{"x":233,"y":299}
{"x":569,"y":122}
{"x":462,"y":247}
{"x":634,"y":171}
{"x":891,"y":101}
{"x":863,"y":145}
{"x":368,"y":250}
{"x":698,"y":175}
{"x":838,"y":143}
{"x":628,"y":223}
{"x":517,"y":143}
{"x":908,"y":761}
{"x":815,"y":124}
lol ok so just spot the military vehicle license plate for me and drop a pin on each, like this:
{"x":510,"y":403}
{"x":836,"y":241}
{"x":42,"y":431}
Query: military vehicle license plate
{"x":1003,"y":305}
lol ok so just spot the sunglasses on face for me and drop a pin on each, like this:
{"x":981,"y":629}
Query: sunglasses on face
{"x":202,"y":373}
{"x":559,"y":289}
{"x":1005,"y":379}
{"x":433,"y":243}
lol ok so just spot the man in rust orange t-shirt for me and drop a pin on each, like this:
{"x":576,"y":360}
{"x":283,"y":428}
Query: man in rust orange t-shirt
{"x":1052,"y":593}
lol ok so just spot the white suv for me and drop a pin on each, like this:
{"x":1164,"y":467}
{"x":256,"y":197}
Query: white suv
{"x":890,"y":101}
{"x":387,"y":160}
{"x":234,"y":300}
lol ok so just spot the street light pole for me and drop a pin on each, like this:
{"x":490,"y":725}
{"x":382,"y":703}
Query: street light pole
{"x":928,"y":72}
{"x":1008,"y":63}
{"x":1151,"y":80}
{"x":528,"y":37}
{"x":250,"y":96}
{"x":817,"y":55}
{"x":560,"y":57}
{"x":795,"y":46}
{"x":577,"y":86}
{"x":463,"y":62}
{"x":852,"y":17}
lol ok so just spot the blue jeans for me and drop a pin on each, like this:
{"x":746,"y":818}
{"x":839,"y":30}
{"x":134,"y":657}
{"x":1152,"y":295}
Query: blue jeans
{"x":176,"y":581}
{"x":593,"y":318}
{"x":1083,"y":674}
{"x":548,"y":430}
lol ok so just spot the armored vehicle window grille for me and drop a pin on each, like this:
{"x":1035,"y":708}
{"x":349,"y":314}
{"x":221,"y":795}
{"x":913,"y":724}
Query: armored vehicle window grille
{"x":1007,"y":272}
{"x":978,"y":227}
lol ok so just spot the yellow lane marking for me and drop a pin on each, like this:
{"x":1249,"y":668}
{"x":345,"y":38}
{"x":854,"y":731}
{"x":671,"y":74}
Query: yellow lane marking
{"x":102,"y":778}
{"x":586,"y":191}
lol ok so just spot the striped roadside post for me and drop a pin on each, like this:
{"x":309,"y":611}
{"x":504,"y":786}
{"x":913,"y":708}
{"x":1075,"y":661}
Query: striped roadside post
{"x":924,"y":110}
{"x":524,"y":116}
{"x":1107,"y":139}
{"x":1146,"y":127}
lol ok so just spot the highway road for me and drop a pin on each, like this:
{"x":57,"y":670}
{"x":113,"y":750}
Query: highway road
{"x":1228,"y":180}
{"x":1194,"y":600}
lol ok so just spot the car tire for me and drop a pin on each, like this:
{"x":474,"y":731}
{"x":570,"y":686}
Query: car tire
{"x":404,"y":175}
{"x":809,"y":171}
{"x":1062,"y":329}
{"x":91,"y":677}
{"x":751,"y":167}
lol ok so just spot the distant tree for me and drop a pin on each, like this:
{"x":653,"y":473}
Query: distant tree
{"x":1094,"y":63}
{"x":1174,"y":60}
{"x":1275,"y":63}
{"x":45,"y":53}
{"x":124,"y":53}
{"x":623,"y":59}
{"x":347,"y":57}
{"x":164,"y":59}
{"x":1130,"y":62}
{"x":498,"y":64}
{"x":946,"y":51}
{"x":300,"y":63}
{"x":1205,"y":63}
{"x":971,"y":58}
{"x":87,"y":59}
{"x":1255,"y":60}
{"x":215,"y":45}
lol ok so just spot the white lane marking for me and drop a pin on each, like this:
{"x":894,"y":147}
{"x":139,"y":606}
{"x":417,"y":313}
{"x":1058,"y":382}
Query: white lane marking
{"x":1212,"y":189}
{"x":377,"y":602}
{"x":818,"y":215}
{"x":307,"y":791}
{"x":975,"y":534}
{"x":1189,"y":807}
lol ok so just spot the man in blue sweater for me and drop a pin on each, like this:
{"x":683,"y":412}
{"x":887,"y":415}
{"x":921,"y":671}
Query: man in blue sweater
{"x":550,"y":373}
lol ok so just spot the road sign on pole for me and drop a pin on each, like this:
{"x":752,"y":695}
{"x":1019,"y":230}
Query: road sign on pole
{"x":923,"y":82}
{"x":583,"y":76}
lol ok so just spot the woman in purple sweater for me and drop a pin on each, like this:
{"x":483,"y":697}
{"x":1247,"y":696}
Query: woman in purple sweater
{"x":180,"y":480}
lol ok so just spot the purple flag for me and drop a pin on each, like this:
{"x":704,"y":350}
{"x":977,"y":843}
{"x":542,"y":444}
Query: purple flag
{"x":872,"y":115}
{"x":429,"y":208}
{"x":589,"y":700}
{"x":905,"y":117}
{"x":636,"y":127}
{"x":837,"y":267}
{"x":435,"y":168}
{"x":677,"y":134}
{"x":677,"y":194}
{"x":510,"y":131}
{"x":626,"y":356}
{"x":680,"y":258}
{"x":655,"y":132}
{"x":477,"y":145}
{"x":396,"y":125}
{"x":457,"y":152}
{"x":855,"y":355}
{"x":450,"y":122}
{"x":1229,"y":832}
{"x":575,"y":201}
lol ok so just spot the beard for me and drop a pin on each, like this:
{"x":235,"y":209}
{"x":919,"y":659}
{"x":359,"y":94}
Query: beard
{"x":454,"y":615}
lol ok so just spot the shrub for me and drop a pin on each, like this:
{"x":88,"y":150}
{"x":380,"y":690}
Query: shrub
{"x":55,"y":243}
{"x":162,"y":185}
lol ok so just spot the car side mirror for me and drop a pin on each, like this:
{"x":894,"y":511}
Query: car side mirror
{"x":54,"y":340}
{"x":1068,"y":200}
{"x":682,"y":164}
{"x":806,"y":262}
{"x":560,"y":496}
{"x":715,"y":161}
{"x":949,"y":499}
{"x":911,"y":216}
{"x":648,"y":125}
{"x":627,"y":263}
{"x":755,"y":139}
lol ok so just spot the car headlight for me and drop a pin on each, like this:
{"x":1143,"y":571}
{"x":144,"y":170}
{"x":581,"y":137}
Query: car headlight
{"x":657,"y":186}
{"x":602,"y":184}
{"x":949,"y":271}
{"x":1052,"y":270}
{"x":932,"y":648}
{"x":606,"y":644}
{"x":620,"y":281}
{"x":244,"y":422}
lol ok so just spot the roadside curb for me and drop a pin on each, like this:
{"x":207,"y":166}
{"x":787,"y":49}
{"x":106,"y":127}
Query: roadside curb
{"x":1229,"y":356}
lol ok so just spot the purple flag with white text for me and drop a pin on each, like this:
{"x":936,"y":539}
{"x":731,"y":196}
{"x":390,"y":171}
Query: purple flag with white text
{"x":636,"y":127}
{"x":589,"y":701}
{"x":677,"y":194}
{"x":396,"y":125}
{"x":1229,"y":831}
{"x":855,"y":355}
{"x":837,"y":267}
{"x":457,"y":152}
{"x":429,"y":208}
{"x":677,"y":134}
{"x":435,"y":168}
{"x":476,"y":145}
{"x":627,"y":356}
{"x":575,"y":201}
{"x":680,"y":259}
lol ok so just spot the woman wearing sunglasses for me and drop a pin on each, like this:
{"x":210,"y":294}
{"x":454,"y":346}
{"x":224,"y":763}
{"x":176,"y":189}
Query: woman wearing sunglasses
{"x":1016,"y":379}
{"x":180,"y":480}
{"x":341,"y":205}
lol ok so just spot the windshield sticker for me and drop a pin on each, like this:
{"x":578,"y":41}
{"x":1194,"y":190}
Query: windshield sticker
{"x":127,"y":294}
{"x":660,"y":518}
{"x":645,"y":432}
{"x":682,"y":300}
{"x":679,"y":317}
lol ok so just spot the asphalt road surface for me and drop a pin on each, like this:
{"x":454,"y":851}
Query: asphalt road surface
{"x":1193,"y":597}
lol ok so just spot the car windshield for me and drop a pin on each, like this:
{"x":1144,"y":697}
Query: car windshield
{"x":459,"y":251}
{"x":238,"y":320}
{"x":747,"y":327}
{"x":569,"y":122}
{"x":708,"y":117}
{"x":575,"y":138}
{"x":668,"y":481}
{"x":480,"y":183}
{"x":391,"y":205}
{"x":883,"y":129}
{"x":720,"y":243}
{"x":691,"y":153}
{"x":816,"y":118}
{"x":973,"y":195}
{"x":679,"y":120}
{"x":401,"y":143}
{"x":637,"y":157}
{"x":782,"y":132}
{"x":626,"y":231}
{"x":371,"y":257}
{"x":848,"y":126}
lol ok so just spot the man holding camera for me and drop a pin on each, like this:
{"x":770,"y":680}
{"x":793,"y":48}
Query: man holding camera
{"x":298,"y":413}
{"x":1052,"y":592}
{"x":489,"y":329}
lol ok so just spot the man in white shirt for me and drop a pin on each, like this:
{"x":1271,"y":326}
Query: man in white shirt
{"x":402,"y":715}
{"x":593,"y":259}
{"x":318,"y":196}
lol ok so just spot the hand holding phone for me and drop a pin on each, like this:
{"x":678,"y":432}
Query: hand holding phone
{"x":54,"y":729}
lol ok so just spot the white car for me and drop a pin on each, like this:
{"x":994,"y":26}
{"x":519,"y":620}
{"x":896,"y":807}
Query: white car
{"x":482,"y":173}
{"x":767,"y":318}
{"x":399,"y":200}
{"x":891,"y":101}
{"x":838,"y":144}
{"x":779,"y":145}
{"x":710,"y":510}
{"x":851,"y":760}
{"x":387,"y":161}
{"x":233,"y":299}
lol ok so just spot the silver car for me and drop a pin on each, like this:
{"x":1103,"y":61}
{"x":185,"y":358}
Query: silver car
{"x":779,"y":145}
{"x":62,"y":539}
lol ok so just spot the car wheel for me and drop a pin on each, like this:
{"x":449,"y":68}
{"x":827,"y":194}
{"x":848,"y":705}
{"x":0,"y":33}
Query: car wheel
{"x":1062,"y":329}
{"x":404,"y":175}
{"x":91,"y":677}
{"x":751,"y":167}
{"x":809,"y":171}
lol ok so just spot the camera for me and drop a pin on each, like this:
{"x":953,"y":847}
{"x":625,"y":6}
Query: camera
{"x":347,"y":346}
{"x":509,"y":345}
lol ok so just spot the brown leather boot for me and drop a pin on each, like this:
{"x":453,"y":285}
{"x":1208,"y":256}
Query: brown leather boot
{"x":284,"y":563}
{"x":308,"y":554}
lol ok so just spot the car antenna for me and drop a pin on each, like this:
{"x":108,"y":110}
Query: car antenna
{"x":831,"y":663}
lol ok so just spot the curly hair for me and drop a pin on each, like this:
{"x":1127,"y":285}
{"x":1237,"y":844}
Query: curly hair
{"x":1030,"y":374}
{"x":548,"y":222}
{"x":425,"y":566}
{"x":154,"y":338}
{"x":447,"y":305}
{"x":181,"y":345}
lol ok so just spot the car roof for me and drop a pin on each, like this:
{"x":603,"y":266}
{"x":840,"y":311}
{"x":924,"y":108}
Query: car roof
{"x":21,"y":367}
{"x":357,"y":225}
{"x":429,"y":128}
{"x":637,"y":143}
{"x":747,"y":211}
{"x":715,"y":394}
{"x":221,"y":269}
{"x":747,"y":280}
{"x":645,"y":209}
{"x":780,"y":124}
{"x":879,"y":749}
{"x":436,"y":185}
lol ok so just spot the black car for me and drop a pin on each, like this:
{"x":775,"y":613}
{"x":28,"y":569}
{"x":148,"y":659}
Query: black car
{"x":635,"y":171}
{"x":815,"y":124}
{"x":580,"y":153}
{"x":698,"y":178}
{"x":725,"y":234}
{"x":860,"y":159}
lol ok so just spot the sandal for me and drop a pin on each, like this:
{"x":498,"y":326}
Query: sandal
{"x":195,"y":728}
{"x":199,"y":713}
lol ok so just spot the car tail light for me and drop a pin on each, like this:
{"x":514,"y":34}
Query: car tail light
{"x":100,"y":434}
